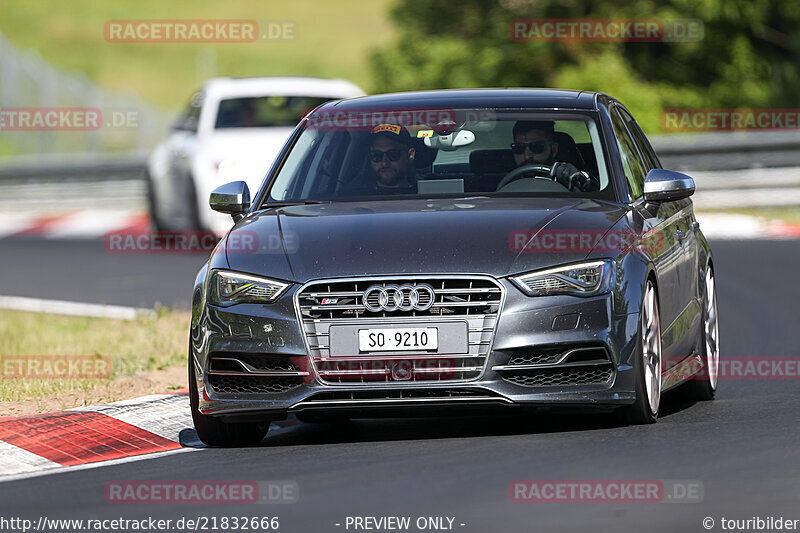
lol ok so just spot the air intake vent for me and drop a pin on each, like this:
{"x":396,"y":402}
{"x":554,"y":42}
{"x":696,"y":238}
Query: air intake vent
{"x":558,"y":366}
{"x":230,"y":384}
{"x":547,"y":377}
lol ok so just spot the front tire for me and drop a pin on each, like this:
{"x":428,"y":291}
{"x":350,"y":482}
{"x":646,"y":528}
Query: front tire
{"x":152,"y":203}
{"x":214,"y":431}
{"x":193,"y":210}
{"x":183,"y":217}
{"x":648,"y":364}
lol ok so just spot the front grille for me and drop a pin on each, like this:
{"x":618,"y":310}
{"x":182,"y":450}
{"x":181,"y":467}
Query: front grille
{"x":238,"y":384}
{"x":576,"y":375}
{"x":475,"y":300}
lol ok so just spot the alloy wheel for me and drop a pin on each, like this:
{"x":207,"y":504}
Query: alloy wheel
{"x":651,"y":348}
{"x":711,"y":330}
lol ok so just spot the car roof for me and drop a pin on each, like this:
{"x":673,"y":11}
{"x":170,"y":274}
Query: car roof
{"x":474,"y":99}
{"x":216,"y":88}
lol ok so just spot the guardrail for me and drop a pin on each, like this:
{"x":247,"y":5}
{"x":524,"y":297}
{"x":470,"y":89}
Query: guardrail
{"x":728,"y":150}
{"x":70,"y":167}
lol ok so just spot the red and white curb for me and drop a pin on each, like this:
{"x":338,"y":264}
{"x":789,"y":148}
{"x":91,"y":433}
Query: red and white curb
{"x":93,"y":434}
{"x":98,"y":435}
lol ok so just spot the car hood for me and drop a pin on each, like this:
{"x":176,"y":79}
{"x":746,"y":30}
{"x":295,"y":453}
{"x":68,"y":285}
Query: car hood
{"x":442,"y":236}
{"x":244,"y":142}
{"x":247,"y":153}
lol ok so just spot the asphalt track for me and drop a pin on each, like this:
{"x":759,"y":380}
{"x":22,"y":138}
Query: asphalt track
{"x":742,"y":447}
{"x":82,"y":270}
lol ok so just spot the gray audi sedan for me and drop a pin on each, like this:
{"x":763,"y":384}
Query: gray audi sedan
{"x":448,"y":252}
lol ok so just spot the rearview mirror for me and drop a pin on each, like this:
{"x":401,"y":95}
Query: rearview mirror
{"x":450,"y":141}
{"x":232,"y":198}
{"x":667,"y":186}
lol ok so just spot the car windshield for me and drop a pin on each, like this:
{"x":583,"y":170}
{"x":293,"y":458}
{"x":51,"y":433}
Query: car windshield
{"x":265,"y":111}
{"x":483,"y":152}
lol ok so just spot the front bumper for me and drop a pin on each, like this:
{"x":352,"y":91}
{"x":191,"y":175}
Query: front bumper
{"x":587,"y":329}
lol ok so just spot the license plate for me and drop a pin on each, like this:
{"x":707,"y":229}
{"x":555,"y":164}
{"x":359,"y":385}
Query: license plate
{"x":397,"y":339}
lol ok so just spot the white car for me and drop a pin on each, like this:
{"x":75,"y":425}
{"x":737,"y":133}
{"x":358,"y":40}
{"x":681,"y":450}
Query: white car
{"x":231,"y":130}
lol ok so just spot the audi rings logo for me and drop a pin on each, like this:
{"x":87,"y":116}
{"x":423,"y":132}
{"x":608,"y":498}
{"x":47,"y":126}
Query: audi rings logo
{"x":399,"y":298}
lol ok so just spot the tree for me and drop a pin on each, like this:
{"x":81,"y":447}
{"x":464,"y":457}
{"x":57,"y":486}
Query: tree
{"x":749,"y":55}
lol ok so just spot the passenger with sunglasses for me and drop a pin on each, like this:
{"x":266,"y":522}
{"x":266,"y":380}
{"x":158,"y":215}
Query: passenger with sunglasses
{"x":534,"y":144}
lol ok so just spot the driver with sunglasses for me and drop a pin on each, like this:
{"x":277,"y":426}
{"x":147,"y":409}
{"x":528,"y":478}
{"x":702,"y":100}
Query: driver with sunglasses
{"x":391,"y":158}
{"x":534,"y":144}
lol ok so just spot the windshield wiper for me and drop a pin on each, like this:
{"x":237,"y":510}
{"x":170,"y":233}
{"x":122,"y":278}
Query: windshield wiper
{"x":289,"y":204}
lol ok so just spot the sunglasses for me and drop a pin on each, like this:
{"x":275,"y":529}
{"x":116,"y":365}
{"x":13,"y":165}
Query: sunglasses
{"x":537,"y":147}
{"x":376,"y":156}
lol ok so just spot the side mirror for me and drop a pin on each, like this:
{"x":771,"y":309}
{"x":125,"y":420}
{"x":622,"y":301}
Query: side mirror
{"x":232,"y":198}
{"x":667,"y":186}
{"x":185,"y":124}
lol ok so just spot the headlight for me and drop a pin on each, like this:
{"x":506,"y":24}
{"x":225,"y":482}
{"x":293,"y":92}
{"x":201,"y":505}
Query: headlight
{"x":231,"y":287}
{"x":581,"y":279}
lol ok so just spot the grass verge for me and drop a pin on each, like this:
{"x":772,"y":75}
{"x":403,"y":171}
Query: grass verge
{"x":147,"y":356}
{"x":333,"y":39}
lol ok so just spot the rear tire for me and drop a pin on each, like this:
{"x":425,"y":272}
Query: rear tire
{"x":703,"y":387}
{"x":214,"y":431}
{"x":647,"y":364}
{"x":193,"y":213}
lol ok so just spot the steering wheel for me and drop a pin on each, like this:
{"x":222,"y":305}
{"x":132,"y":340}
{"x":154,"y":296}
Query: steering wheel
{"x":539,"y":171}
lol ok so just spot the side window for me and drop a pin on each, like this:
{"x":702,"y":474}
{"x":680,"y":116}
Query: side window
{"x":645,"y":149}
{"x":324,"y":170}
{"x":631,"y":164}
{"x":292,"y":174}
